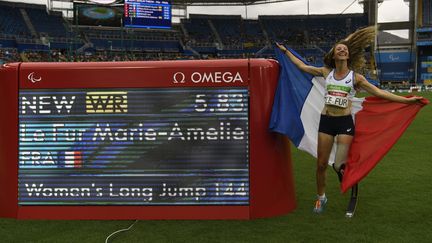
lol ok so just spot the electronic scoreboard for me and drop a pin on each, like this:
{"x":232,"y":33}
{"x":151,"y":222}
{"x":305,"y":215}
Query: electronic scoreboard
{"x":147,"y":14}
{"x":142,"y":140}
{"x":134,"y":146}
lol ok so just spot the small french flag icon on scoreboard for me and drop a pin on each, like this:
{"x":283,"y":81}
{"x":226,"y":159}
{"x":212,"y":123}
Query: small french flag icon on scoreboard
{"x":72,"y":159}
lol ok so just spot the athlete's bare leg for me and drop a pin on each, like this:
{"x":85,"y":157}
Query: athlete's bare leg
{"x":325,"y":144}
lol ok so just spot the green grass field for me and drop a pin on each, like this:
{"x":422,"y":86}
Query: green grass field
{"x":395,"y":205}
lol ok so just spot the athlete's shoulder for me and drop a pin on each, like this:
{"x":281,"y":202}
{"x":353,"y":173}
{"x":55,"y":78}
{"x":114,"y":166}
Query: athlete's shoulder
{"x":358,"y":78}
{"x":326,"y":71}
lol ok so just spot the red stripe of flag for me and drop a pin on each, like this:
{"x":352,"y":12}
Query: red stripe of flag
{"x":378,"y":126}
{"x":77,"y":159}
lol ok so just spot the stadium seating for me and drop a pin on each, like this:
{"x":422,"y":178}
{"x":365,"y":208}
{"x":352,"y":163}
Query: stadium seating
{"x":252,"y":33}
{"x":228,"y":28}
{"x":11,"y":22}
{"x":199,"y":31}
{"x":49,"y":36}
{"x":283,"y":29}
{"x":427,"y":13}
{"x":49,"y":24}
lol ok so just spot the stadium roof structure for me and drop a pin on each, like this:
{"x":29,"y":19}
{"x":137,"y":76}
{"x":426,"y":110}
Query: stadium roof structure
{"x":205,"y":2}
{"x":225,"y":2}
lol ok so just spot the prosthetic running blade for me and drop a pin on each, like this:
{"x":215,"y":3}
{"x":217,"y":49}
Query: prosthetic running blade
{"x":353,"y":202}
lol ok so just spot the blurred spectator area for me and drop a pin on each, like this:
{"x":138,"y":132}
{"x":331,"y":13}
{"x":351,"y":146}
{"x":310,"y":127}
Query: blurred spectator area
{"x":29,"y":32}
{"x":131,"y":39}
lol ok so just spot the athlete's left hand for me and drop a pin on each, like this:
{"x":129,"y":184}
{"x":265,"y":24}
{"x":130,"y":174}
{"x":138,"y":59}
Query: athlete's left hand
{"x":415,"y":100}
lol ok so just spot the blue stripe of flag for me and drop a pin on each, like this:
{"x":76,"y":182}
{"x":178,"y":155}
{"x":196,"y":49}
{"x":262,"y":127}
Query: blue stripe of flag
{"x":291,"y":93}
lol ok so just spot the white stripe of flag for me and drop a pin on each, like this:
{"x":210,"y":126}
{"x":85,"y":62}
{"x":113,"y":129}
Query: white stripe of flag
{"x":73,"y":159}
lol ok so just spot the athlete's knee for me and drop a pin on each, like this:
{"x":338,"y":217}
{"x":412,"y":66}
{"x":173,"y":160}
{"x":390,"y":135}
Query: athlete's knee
{"x":321,"y":166}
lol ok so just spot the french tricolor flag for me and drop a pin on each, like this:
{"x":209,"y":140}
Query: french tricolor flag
{"x":299,"y":100}
{"x":71,"y":159}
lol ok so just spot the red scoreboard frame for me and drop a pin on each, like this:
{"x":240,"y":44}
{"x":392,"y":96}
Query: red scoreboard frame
{"x":271,"y":185}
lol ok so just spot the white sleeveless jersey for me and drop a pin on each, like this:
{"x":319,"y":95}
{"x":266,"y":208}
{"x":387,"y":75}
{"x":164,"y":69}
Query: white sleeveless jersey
{"x":338,"y":92}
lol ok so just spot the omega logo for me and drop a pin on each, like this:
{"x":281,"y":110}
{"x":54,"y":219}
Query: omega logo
{"x":208,"y":77}
{"x":179,"y":77}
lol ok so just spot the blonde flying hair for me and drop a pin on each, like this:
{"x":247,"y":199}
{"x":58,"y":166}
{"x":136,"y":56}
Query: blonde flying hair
{"x":356,"y":42}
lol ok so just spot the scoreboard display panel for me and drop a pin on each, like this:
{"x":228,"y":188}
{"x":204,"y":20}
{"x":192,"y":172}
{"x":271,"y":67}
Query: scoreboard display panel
{"x":147,"y":14}
{"x":158,"y":146}
{"x":97,"y":15}
{"x":142,"y":140}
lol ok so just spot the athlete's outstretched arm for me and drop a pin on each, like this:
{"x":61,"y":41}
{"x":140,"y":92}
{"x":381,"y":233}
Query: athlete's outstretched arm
{"x":361,"y":82}
{"x":316,"y":71}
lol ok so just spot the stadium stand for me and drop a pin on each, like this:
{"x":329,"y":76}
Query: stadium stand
{"x":427,"y":13}
{"x":228,"y":29}
{"x":47,"y":25}
{"x":252,"y":33}
{"x":12,"y":23}
{"x":29,"y":33}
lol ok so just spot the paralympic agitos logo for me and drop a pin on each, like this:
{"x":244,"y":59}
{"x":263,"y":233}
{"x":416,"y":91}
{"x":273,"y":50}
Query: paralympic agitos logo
{"x":33,"y":78}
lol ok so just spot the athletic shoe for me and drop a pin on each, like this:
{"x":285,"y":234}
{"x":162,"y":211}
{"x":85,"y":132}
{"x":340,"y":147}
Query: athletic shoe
{"x":320,"y":205}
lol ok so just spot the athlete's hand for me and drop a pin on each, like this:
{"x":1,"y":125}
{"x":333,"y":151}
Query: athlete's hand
{"x":415,"y":100}
{"x":281,"y":47}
